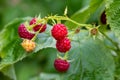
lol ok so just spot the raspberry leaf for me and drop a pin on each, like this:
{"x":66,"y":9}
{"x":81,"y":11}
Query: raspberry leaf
{"x":86,"y":64}
{"x":112,"y":13}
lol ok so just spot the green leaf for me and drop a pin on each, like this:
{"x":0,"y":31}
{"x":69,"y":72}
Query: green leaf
{"x":84,"y":14}
{"x":3,"y":77}
{"x":9,"y":33}
{"x":42,"y":62}
{"x":8,"y":39}
{"x":45,"y":40}
{"x":112,"y":12}
{"x":46,"y":76}
{"x":9,"y":72}
{"x":91,"y":60}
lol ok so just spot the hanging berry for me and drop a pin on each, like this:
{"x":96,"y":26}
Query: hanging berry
{"x":59,"y":31}
{"x":63,"y":45}
{"x":40,"y":26}
{"x":24,"y":33}
{"x":61,"y":65}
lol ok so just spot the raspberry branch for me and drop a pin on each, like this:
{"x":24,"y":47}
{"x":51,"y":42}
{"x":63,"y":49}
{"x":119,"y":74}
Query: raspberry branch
{"x":59,"y":18}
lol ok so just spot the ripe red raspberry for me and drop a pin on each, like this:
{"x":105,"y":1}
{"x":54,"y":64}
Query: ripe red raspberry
{"x":42,"y":27}
{"x":63,"y":45}
{"x":33,"y":21}
{"x":59,"y":31}
{"x":23,"y":33}
{"x":61,"y":65}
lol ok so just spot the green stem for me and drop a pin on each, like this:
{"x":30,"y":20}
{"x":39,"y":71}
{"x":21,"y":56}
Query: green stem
{"x":66,"y":56}
{"x":56,"y":18}
{"x":68,"y":19}
{"x":77,"y":22}
{"x":60,"y":18}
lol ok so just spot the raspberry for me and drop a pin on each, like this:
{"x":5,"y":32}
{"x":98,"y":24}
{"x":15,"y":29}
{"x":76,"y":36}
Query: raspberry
{"x":61,"y":65}
{"x":42,"y":27}
{"x":63,"y":45}
{"x":28,"y":45}
{"x":23,"y":33}
{"x":59,"y":31}
{"x":33,"y":21}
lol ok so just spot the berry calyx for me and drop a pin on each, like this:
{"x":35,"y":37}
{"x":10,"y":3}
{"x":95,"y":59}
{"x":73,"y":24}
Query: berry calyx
{"x":61,"y":65}
{"x":33,"y":21}
{"x":59,"y":31}
{"x":63,"y":45}
{"x":94,"y":31}
{"x":28,"y":45}
{"x":24,"y":33}
{"x":77,"y":30}
{"x":42,"y":28}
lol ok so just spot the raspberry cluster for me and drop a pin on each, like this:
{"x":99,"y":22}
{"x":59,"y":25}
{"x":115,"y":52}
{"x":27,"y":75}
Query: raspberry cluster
{"x":28,"y":33}
{"x":59,"y":32}
{"x":63,"y":44}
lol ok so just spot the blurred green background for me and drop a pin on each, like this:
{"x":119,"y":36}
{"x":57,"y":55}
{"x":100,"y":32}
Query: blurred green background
{"x":11,"y":9}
